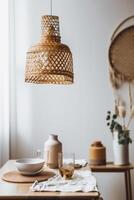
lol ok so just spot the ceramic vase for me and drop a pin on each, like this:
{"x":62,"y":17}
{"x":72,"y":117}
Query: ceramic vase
{"x":52,"y":148}
{"x":120,"y":151}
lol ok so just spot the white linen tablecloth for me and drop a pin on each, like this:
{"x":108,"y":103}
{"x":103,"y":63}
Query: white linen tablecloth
{"x":82,"y":180}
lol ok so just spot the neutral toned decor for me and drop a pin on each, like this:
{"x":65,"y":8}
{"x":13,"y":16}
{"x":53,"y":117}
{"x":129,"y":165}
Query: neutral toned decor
{"x":97,"y":153}
{"x":21,"y":191}
{"x":49,"y":61}
{"x":121,"y":58}
{"x":121,"y":151}
{"x":52,"y":148}
{"x":121,"y":134}
{"x":111,"y":168}
{"x":121,"y":55}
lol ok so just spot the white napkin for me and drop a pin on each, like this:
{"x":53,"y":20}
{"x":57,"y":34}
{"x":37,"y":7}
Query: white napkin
{"x":81,"y":162}
{"x":83,"y":180}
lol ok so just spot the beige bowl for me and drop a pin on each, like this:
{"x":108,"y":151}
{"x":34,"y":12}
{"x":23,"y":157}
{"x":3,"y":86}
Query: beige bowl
{"x":30,"y":166}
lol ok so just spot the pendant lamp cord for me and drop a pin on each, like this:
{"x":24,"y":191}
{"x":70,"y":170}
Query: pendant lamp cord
{"x":51,"y":6}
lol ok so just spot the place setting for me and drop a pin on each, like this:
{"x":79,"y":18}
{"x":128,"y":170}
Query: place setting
{"x":55,"y":170}
{"x":67,"y":177}
{"x":27,"y":171}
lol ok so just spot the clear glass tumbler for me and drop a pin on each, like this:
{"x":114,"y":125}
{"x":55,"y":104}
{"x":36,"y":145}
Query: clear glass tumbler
{"x":66,"y":164}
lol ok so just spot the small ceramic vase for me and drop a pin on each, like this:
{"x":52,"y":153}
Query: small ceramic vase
{"x":52,"y":148}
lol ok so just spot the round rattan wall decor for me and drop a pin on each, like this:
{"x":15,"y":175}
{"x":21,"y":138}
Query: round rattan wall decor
{"x":121,"y":55}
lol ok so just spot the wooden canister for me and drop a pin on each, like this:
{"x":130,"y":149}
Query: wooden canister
{"x":97,"y":153}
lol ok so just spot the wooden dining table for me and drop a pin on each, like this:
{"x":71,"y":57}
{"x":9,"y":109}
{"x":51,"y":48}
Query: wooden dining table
{"x":21,"y":191}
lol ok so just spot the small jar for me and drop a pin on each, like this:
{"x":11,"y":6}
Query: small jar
{"x":97,"y":153}
{"x":52,"y":148}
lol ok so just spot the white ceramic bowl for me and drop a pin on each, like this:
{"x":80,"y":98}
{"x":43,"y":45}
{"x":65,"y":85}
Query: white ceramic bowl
{"x":29,"y":166}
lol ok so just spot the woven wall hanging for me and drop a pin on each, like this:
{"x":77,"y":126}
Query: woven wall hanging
{"x":121,"y":55}
{"x":49,"y":61}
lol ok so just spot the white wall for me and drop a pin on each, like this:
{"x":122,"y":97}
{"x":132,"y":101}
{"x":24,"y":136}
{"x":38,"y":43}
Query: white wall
{"x":77,"y":112}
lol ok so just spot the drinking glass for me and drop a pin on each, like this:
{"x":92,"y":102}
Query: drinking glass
{"x":66,"y":162}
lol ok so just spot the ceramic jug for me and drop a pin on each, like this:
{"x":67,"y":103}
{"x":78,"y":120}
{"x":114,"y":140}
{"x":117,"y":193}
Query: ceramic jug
{"x":52,"y":148}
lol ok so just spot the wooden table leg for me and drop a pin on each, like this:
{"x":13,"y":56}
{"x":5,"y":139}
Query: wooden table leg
{"x":128,"y":185}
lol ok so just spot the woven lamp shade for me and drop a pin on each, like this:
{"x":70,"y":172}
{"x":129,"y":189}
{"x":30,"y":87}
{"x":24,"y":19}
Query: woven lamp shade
{"x":49,"y":61}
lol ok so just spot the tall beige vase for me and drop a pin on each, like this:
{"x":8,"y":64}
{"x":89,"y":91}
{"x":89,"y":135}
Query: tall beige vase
{"x":121,"y":151}
{"x":51,"y":149}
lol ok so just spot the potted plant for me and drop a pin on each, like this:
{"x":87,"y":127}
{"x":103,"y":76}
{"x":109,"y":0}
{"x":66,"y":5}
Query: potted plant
{"x":121,"y":134}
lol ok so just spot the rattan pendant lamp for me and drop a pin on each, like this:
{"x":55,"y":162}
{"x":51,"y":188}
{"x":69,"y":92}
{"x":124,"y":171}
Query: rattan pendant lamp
{"x":49,"y":61}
